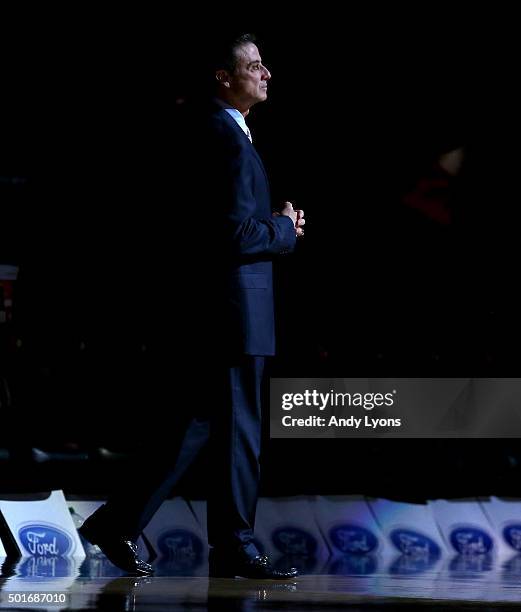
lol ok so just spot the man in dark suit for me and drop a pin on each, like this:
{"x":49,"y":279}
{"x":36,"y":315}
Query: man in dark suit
{"x":242,"y":236}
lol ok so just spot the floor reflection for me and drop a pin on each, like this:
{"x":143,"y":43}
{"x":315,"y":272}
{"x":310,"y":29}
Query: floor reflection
{"x":95,"y":584}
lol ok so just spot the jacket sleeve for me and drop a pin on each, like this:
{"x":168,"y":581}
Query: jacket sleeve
{"x":251,"y":234}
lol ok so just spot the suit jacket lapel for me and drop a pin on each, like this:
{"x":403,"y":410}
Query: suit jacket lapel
{"x":257,"y":156}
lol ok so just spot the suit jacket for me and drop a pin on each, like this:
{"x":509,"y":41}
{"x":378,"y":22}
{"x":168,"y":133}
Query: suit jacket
{"x":245,"y":237}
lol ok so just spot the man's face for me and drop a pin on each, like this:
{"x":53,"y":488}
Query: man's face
{"x":249,"y":81}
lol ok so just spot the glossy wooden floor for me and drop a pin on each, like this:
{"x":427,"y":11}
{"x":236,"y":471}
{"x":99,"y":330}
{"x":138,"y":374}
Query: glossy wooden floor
{"x":468,"y":584}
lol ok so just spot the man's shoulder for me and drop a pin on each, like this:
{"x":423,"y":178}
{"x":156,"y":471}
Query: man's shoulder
{"x":212,"y":125}
{"x":225,"y":130}
{"x":222,"y":122}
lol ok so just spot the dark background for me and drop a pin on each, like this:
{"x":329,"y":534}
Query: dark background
{"x":360,"y":108}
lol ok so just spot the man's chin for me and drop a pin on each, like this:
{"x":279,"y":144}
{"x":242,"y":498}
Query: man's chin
{"x":261,"y":97}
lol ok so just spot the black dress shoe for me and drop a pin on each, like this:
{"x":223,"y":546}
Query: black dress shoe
{"x":258,"y":568}
{"x":118,"y":550}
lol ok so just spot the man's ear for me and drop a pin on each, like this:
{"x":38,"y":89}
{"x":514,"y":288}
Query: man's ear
{"x":223,"y":77}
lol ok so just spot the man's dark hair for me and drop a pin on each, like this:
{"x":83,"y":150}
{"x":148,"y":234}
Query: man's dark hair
{"x":218,"y":53}
{"x":226,"y":52}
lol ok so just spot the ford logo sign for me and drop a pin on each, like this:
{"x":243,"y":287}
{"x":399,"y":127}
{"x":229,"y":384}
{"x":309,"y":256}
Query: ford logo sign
{"x":414,"y":544}
{"x":294,"y":541}
{"x":353,"y":539}
{"x":471,"y":541}
{"x":512,"y":535}
{"x":181,"y":547}
{"x":43,"y":540}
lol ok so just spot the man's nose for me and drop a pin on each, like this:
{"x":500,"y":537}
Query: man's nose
{"x":266,"y":74}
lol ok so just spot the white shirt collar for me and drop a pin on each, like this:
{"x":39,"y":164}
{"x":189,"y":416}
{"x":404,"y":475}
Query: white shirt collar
{"x":235,"y":114}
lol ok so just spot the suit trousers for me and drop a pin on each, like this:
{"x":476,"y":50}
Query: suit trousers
{"x":226,"y":414}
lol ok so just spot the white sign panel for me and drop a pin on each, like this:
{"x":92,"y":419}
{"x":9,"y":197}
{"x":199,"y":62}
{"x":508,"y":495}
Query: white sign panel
{"x":43,"y":528}
{"x":179,"y":540}
{"x":286,"y":529}
{"x":466,"y":529}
